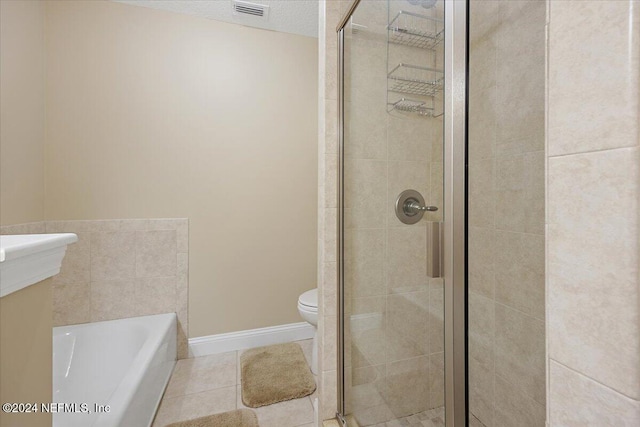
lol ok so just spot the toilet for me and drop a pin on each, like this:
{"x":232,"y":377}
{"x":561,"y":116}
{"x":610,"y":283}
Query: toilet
{"x":308,"y":309}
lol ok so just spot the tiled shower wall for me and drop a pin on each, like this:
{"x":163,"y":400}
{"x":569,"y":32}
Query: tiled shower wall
{"x":120,"y":268}
{"x":26,"y":228}
{"x":507,"y":213}
{"x":593,"y":156}
{"x":593,"y":220}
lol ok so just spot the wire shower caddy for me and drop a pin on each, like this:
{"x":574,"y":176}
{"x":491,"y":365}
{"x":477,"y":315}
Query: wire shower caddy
{"x":412,"y":29}
{"x":421,"y":83}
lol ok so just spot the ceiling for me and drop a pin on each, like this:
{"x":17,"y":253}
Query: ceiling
{"x":288,"y":16}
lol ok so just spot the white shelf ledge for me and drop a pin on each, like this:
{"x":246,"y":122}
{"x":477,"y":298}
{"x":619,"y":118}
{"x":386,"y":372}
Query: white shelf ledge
{"x":26,"y":259}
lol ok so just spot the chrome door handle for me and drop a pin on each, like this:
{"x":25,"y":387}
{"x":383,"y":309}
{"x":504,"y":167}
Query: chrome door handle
{"x":434,"y":249}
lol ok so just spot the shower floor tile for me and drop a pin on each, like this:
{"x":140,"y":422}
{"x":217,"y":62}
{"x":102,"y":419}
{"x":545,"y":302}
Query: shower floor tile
{"x":210,"y":384}
{"x":430,"y":418}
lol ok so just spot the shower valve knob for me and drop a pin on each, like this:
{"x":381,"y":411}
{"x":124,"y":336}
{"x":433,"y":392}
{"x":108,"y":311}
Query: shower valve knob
{"x":415,"y":206}
{"x":410,"y":207}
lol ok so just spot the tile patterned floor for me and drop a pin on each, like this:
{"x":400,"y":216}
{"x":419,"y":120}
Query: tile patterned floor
{"x":211,"y":384}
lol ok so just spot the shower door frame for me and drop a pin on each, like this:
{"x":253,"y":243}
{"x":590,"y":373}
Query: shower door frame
{"x":455,"y":211}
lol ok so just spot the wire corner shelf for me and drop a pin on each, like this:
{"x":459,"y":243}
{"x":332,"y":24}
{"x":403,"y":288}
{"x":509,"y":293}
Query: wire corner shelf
{"x":415,"y":80}
{"x":413,"y":29}
{"x":407,"y":105}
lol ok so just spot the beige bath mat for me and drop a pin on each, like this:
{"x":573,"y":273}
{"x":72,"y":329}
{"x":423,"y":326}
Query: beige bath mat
{"x":274,"y":374}
{"x":237,"y":418}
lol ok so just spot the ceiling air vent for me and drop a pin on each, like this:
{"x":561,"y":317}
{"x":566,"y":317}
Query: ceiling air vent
{"x":243,"y":8}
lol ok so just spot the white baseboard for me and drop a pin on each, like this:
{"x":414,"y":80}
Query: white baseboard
{"x":242,"y":340}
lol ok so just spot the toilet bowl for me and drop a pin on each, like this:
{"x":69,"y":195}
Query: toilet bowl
{"x":308,"y":309}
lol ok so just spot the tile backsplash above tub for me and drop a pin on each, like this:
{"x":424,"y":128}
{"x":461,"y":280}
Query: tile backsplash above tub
{"x":120,"y":268}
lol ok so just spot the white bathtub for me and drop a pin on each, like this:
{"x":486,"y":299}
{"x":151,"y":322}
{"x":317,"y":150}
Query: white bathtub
{"x":124,"y":363}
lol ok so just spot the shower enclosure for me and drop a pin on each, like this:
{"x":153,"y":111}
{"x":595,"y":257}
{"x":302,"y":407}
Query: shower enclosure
{"x":441,"y":179}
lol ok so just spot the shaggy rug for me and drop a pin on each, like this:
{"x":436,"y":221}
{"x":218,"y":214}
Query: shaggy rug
{"x":274,"y":374}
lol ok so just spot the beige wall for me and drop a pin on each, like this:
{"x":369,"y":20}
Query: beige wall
{"x":25,"y":316}
{"x":21,"y":111}
{"x":593,"y":224}
{"x":25,"y":353}
{"x":154,"y":114}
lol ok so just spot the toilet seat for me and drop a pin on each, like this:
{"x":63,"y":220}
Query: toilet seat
{"x":308,"y":301}
{"x":305,"y":309}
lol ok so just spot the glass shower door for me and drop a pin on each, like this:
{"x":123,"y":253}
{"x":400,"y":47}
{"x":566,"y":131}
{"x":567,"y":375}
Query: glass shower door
{"x":391,"y":208}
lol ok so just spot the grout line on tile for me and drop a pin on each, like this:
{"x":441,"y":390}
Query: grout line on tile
{"x":631,"y":147}
{"x":519,"y":311}
{"x":592,"y":379}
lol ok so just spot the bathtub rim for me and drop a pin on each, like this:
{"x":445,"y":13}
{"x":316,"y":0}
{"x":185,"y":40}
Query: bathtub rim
{"x":124,"y":392}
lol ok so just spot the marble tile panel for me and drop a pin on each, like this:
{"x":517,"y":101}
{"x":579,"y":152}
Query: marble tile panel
{"x":577,"y":400}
